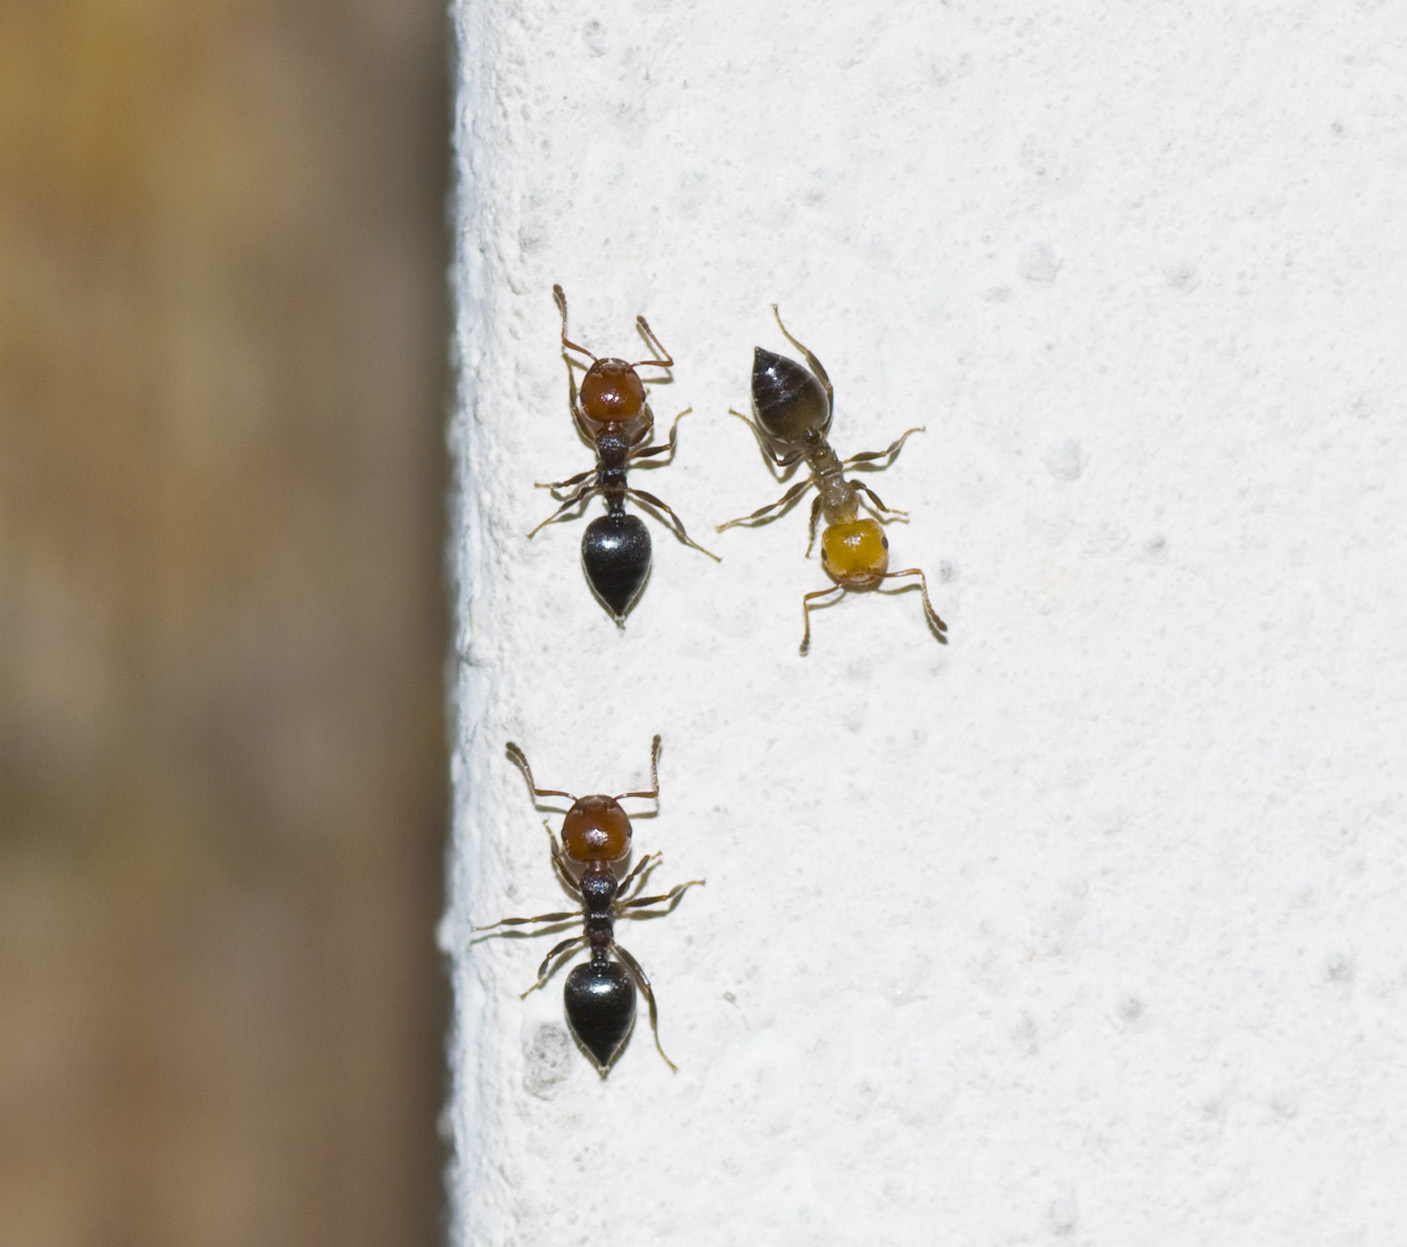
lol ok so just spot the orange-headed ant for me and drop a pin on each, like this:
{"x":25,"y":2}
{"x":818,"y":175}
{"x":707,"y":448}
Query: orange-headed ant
{"x":613,"y":416}
{"x":792,"y":408}
{"x":600,"y":993}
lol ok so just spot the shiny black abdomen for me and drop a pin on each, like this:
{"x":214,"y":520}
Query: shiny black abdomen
{"x":615,"y":552}
{"x":787,"y":399}
{"x":600,"y":1001}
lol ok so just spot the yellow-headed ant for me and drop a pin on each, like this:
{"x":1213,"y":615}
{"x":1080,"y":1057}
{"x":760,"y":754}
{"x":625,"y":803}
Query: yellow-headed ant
{"x":612,"y":415}
{"x":600,"y":993}
{"x":792,"y":408}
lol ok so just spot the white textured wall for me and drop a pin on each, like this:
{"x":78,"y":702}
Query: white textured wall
{"x":1090,"y":924}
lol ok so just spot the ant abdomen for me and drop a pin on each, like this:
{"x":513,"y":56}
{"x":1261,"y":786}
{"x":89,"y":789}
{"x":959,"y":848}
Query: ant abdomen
{"x":787,"y":399}
{"x":600,"y":1005}
{"x":615,"y":554}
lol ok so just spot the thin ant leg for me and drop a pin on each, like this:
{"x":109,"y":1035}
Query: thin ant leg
{"x":569,"y":483}
{"x":561,"y":866}
{"x":582,"y":496}
{"x":773,"y":459}
{"x":938,"y":625}
{"x":879,"y":506}
{"x":519,"y":922}
{"x":644,"y":984}
{"x":671,"y":897}
{"x":780,"y":507}
{"x":562,"y":306}
{"x":669,"y":445}
{"x":542,"y":974}
{"x":521,"y":759}
{"x":654,"y":793}
{"x":815,"y":515}
{"x":649,"y":335}
{"x":583,"y":426}
{"x":810,"y":359}
{"x":806,"y":611}
{"x":674,"y":521}
{"x":871,"y":456}
{"x":646,"y":863}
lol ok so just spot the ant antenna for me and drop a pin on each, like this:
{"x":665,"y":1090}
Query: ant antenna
{"x":521,"y":759}
{"x":654,"y":793}
{"x":649,"y":335}
{"x":560,"y":296}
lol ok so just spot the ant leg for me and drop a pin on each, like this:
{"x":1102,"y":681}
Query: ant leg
{"x":810,"y":359}
{"x":649,"y":335}
{"x":654,"y":793}
{"x":671,"y":898}
{"x":774,"y":460}
{"x":871,"y":456}
{"x":815,"y":515}
{"x":938,"y":625}
{"x":646,"y":863}
{"x":518,"y":922}
{"x":571,"y":481}
{"x":581,"y":496}
{"x":561,"y":866}
{"x":879,"y":506}
{"x":780,"y":507}
{"x":644,"y":984}
{"x":542,"y":974}
{"x":521,"y":759}
{"x":675,"y":522}
{"x":806,"y":611}
{"x":562,"y":307}
{"x":669,"y":445}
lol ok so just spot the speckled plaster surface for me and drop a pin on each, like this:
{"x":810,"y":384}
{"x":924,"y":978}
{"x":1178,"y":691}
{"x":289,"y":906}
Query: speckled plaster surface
{"x":1088,"y":926}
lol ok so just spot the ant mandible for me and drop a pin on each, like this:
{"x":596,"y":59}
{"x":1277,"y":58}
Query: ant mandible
{"x":600,"y":993}
{"x":792,"y":407}
{"x":613,"y":416}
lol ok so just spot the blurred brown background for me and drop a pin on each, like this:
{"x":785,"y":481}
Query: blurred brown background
{"x":222,"y":622}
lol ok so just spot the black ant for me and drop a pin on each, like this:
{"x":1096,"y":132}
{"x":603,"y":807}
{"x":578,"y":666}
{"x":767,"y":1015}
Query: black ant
{"x":615,"y":418}
{"x":600,"y":994}
{"x":792,"y":408}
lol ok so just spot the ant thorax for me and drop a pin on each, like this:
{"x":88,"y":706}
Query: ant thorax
{"x":839,"y":501}
{"x":612,"y":453}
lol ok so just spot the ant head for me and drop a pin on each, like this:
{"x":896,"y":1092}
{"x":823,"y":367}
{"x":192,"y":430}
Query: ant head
{"x":788,"y":399}
{"x":856,"y":554}
{"x":596,"y":829}
{"x":612,"y":392}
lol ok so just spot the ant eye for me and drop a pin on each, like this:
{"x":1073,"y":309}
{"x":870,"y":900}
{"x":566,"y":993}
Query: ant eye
{"x":885,"y":540}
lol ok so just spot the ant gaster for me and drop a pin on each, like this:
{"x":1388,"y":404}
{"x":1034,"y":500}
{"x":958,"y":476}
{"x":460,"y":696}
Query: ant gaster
{"x":611,"y":413}
{"x":600,"y":993}
{"x":792,"y":408}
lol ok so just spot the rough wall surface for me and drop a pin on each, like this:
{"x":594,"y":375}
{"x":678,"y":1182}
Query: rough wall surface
{"x":1088,"y":923}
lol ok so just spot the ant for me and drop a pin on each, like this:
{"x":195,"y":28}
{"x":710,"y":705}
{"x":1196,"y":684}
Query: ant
{"x":792,"y":407}
{"x":613,"y":416}
{"x":600,"y":993}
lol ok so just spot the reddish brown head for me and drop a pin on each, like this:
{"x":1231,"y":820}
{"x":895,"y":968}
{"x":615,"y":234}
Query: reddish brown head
{"x":596,"y":829}
{"x":612,"y":392}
